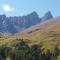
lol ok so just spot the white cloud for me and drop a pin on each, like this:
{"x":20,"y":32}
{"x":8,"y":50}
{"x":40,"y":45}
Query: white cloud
{"x":7,"y":8}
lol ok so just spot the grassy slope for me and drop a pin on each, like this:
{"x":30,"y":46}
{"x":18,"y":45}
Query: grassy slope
{"x":46,"y":33}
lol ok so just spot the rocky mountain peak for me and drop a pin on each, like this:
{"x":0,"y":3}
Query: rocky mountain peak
{"x":48,"y":15}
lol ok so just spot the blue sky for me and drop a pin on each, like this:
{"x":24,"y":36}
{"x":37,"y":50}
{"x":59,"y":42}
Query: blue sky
{"x":24,"y":7}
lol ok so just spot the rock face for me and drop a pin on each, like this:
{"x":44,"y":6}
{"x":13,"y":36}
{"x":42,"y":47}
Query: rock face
{"x":47,"y":16}
{"x":16,"y":24}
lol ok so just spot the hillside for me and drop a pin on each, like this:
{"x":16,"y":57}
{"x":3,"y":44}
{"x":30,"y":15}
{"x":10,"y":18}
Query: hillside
{"x":46,"y":33}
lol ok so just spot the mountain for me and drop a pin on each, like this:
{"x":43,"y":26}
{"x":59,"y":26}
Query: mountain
{"x":41,"y":40}
{"x":16,"y":24}
{"x":48,"y":15}
{"x":46,"y":33}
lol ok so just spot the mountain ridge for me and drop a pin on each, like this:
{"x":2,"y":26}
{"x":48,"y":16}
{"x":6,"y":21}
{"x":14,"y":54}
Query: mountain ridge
{"x":20,"y":23}
{"x":47,"y":31}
